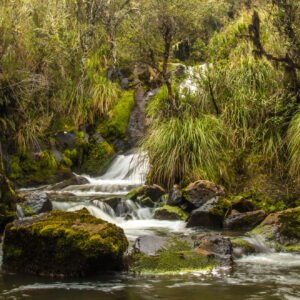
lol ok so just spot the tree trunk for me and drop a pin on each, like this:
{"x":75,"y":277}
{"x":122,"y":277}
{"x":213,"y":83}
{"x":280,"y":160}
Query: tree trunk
{"x":166,"y":77}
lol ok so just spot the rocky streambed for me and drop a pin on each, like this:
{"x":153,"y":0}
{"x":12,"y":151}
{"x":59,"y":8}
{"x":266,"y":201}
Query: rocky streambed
{"x":148,"y":243}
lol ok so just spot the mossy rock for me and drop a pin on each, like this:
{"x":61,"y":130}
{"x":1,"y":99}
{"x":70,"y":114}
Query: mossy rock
{"x":67,"y":244}
{"x":147,"y":202}
{"x":176,"y":257}
{"x":242,"y":247}
{"x":170,"y":213}
{"x":281,"y":230}
{"x":154,"y":192}
{"x":98,"y":158}
{"x":8,"y":199}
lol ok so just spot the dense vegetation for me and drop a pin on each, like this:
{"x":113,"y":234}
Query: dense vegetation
{"x":61,"y":70}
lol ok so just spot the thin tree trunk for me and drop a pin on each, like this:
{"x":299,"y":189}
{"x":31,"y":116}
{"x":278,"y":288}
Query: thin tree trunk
{"x":166,"y":78}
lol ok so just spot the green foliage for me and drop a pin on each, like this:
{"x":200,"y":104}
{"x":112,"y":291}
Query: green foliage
{"x":294,"y":145}
{"x":187,"y":148}
{"x":115,"y":127}
{"x":98,"y":157}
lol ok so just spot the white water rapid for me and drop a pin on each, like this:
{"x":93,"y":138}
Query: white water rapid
{"x":126,"y":172}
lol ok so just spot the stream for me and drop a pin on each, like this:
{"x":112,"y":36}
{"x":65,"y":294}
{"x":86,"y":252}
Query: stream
{"x":266,"y":275}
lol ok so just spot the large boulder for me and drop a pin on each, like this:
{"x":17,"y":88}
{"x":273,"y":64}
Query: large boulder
{"x":8,"y":200}
{"x":199,"y":192}
{"x":67,"y":244}
{"x":34,"y":204}
{"x":170,"y":213}
{"x":216,"y":246}
{"x":247,"y":220}
{"x":281,"y":230}
{"x":205,"y":216}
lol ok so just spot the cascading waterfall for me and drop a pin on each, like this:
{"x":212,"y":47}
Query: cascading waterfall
{"x":125,"y":173}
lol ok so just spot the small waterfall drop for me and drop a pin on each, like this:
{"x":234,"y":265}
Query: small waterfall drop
{"x":126,"y":172}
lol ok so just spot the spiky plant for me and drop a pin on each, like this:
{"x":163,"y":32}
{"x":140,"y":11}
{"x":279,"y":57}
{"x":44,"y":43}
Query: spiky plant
{"x":293,"y":139}
{"x":187,"y":149}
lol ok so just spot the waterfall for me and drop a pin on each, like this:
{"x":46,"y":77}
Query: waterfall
{"x":125,"y":173}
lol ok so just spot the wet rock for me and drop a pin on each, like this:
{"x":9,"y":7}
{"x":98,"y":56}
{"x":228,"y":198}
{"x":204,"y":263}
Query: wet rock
{"x":242,"y":247}
{"x":34,"y":204}
{"x":66,"y":140}
{"x":147,"y":202}
{"x":199,"y":192}
{"x":112,"y":202}
{"x":154,"y":192}
{"x":74,"y":180}
{"x":216,"y":246}
{"x":124,"y":83}
{"x":170,"y":213}
{"x":243,"y":205}
{"x":63,"y":244}
{"x":281,"y":230}
{"x":205,"y":217}
{"x":247,"y":220}
{"x":149,"y":245}
{"x":176,"y":197}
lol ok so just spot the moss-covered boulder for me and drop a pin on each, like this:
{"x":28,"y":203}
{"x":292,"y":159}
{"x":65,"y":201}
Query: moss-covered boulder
{"x":8,"y":200}
{"x":63,"y":244}
{"x":170,"y":213}
{"x":174,"y":257}
{"x":281,"y":230}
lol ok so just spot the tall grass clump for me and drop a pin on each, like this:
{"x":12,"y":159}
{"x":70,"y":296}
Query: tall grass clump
{"x":182,"y":149}
{"x":293,"y":139}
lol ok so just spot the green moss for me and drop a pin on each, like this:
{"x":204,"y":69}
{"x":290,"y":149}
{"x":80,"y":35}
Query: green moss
{"x":69,"y":157}
{"x":175,"y":258}
{"x":147,"y":202}
{"x":27,"y":170}
{"x":245,"y":245}
{"x":98,"y":158}
{"x":222,"y":208}
{"x":134,"y":194}
{"x":8,"y":200}
{"x":171,"y":213}
{"x":15,"y":171}
{"x":281,"y":230}
{"x":115,"y":127}
{"x":291,"y":223}
{"x":64,"y":243}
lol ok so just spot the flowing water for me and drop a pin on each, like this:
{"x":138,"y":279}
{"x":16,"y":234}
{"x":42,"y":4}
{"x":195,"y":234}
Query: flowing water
{"x":266,"y":275}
